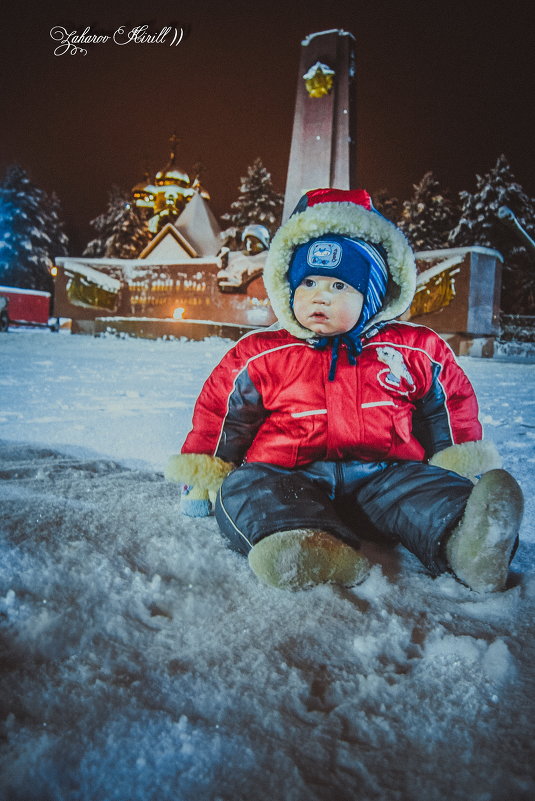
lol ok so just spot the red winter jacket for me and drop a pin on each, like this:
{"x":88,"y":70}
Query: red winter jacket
{"x":270,"y":400}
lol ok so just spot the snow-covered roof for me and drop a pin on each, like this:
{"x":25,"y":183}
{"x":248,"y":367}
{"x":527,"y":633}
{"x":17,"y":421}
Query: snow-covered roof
{"x":168,"y":235}
{"x":102,"y":280}
{"x":66,"y":261}
{"x":18,"y":291}
{"x":129,"y":270}
{"x":426,"y":275}
{"x":424,"y":255}
{"x":200,"y":227}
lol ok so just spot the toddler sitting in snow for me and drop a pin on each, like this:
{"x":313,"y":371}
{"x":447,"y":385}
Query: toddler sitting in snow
{"x":342,"y":422}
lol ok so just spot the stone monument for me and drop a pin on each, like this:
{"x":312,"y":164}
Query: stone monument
{"x":323,"y":147}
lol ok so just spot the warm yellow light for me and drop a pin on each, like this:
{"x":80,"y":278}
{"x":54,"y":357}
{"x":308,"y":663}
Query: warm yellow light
{"x":178,"y":313}
{"x":53,"y":271}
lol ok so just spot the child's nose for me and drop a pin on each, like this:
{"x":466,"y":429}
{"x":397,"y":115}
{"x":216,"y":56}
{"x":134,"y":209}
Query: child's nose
{"x":321,"y":295}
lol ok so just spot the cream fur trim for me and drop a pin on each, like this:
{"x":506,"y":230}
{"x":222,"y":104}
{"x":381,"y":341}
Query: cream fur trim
{"x":468,"y":459}
{"x":198,"y":469}
{"x":346,"y":219}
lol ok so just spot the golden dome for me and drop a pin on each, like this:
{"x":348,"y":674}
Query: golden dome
{"x":168,"y":192}
{"x":171,"y":174}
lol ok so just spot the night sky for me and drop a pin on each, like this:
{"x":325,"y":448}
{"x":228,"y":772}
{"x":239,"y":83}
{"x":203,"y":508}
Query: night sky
{"x":443,"y":86}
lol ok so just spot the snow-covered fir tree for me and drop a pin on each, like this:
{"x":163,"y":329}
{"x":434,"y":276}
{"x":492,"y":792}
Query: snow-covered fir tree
{"x":121,"y":231}
{"x":387,"y":205}
{"x":479,"y":224}
{"x":429,"y":216}
{"x":55,"y":225}
{"x":258,"y":203}
{"x":32,"y":232}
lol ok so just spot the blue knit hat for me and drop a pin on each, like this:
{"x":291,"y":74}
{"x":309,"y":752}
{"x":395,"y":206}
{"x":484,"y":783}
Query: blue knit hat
{"x":360,"y":264}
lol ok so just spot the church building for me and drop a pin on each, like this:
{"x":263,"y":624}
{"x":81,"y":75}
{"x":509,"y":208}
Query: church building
{"x":181,"y":219}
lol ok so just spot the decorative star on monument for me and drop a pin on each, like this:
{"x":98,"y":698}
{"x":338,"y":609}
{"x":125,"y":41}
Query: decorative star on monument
{"x":319,"y":80}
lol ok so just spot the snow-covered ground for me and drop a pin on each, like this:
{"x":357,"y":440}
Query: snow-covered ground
{"x":141,"y":660}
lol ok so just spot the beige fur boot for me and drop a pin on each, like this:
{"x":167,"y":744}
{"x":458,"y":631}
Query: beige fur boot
{"x":301,"y":558}
{"x":479,"y":549}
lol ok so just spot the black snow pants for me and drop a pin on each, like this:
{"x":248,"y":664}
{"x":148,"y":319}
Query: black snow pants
{"x":411,"y":503}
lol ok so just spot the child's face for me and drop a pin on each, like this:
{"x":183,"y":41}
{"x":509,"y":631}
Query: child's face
{"x":327,"y":306}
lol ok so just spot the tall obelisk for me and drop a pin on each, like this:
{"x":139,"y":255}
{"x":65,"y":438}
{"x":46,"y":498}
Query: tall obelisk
{"x":322,"y":152}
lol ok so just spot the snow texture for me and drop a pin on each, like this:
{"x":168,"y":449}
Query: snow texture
{"x":142,"y":659}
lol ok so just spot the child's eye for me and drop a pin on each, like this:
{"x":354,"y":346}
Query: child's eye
{"x":339,"y":285}
{"x":308,"y":282}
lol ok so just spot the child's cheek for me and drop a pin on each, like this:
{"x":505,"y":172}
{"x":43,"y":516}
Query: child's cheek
{"x":300,"y":307}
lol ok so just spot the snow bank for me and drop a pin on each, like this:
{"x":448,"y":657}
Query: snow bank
{"x":142,"y":660}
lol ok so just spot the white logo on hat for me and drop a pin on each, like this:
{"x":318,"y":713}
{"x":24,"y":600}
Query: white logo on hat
{"x":325,"y":255}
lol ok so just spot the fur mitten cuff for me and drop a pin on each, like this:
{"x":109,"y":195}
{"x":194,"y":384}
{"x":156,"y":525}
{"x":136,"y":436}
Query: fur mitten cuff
{"x":201,"y":476}
{"x":468,"y":459}
{"x":198,"y":470}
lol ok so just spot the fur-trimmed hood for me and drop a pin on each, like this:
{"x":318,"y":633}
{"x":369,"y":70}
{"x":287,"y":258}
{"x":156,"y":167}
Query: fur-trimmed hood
{"x":346,"y":219}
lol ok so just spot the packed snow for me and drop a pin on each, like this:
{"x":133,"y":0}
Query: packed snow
{"x":142,"y":660}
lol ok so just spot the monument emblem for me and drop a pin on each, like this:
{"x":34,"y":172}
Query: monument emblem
{"x":319,"y":80}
